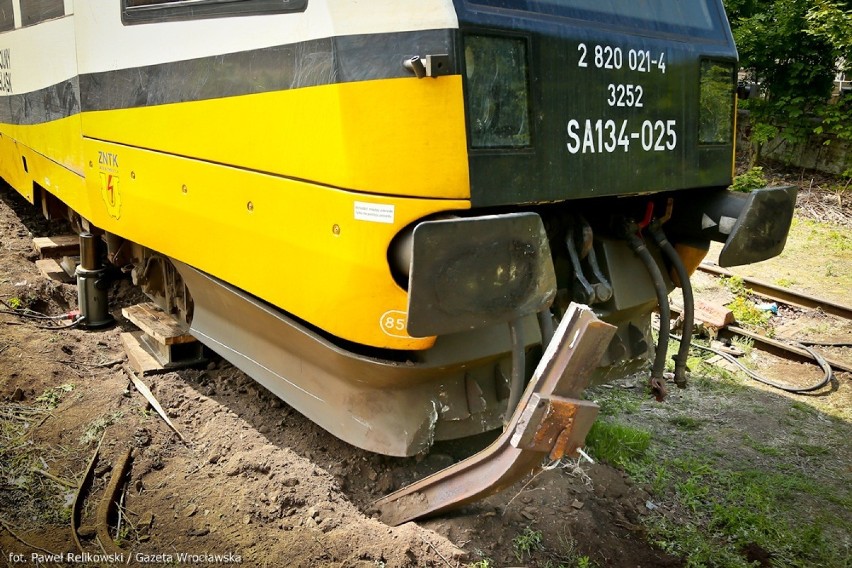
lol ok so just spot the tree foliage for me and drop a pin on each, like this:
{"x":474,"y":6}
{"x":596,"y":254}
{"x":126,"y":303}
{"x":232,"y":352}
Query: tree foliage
{"x":794,"y":49}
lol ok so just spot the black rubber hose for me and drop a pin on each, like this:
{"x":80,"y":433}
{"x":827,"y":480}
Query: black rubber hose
{"x":516,"y":333}
{"x":637,"y":244}
{"x":545,"y":326}
{"x":828,"y":375}
{"x":688,"y":301}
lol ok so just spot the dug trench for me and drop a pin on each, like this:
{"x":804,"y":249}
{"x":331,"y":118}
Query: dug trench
{"x":254,"y":481}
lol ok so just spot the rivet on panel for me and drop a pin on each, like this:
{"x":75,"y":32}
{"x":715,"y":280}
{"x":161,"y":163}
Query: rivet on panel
{"x":335,"y":229}
{"x":132,"y":175}
{"x":250,"y":206}
{"x":184,"y":189}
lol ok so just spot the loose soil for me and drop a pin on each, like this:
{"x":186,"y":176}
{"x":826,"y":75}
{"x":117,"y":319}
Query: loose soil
{"x":255,"y":478}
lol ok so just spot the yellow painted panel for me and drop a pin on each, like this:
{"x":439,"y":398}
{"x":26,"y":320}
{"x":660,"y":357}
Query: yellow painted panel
{"x":294,"y":244}
{"x":395,"y":136}
{"x":11,"y":168}
{"x":54,"y":154}
{"x":59,"y":140}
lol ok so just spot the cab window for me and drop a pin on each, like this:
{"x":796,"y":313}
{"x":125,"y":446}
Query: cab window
{"x":671,"y":16}
{"x":152,"y":11}
{"x":7,"y":17}
{"x":35,"y":11}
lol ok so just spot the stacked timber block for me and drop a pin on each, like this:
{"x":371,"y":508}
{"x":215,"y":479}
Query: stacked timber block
{"x":58,"y":256}
{"x":161,"y":345}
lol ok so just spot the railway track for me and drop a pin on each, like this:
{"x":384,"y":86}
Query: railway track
{"x":785,"y":349}
{"x":783,"y":295}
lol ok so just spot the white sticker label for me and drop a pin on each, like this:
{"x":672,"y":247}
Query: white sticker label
{"x":726,"y":224}
{"x":374,"y":212}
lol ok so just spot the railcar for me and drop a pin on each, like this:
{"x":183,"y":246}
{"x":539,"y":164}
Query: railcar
{"x":378,"y":209}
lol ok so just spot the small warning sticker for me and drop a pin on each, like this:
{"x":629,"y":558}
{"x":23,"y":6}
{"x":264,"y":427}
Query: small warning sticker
{"x":374,"y":212}
{"x":110,"y":194}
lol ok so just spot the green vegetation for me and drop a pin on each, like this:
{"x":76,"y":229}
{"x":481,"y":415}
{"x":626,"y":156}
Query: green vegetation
{"x":618,"y":402}
{"x":98,"y":425}
{"x":794,"y":49}
{"x":747,"y":313}
{"x":723,"y":507}
{"x":37,"y":497}
{"x":616,"y":444}
{"x":736,"y":285}
{"x":51,"y":397}
{"x":750,"y":180}
{"x":687,"y":423}
{"x":526,"y":543}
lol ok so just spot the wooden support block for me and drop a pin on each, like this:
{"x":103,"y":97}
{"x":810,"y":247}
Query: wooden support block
{"x":55,"y":247}
{"x":148,"y":359}
{"x":139,"y":357}
{"x":156,"y":323}
{"x":49,"y":268}
{"x":713,"y":315}
{"x":165,"y":344}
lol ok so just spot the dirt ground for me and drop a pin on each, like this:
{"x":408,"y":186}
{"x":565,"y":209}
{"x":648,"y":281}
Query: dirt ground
{"x":254,"y":482}
{"x":254,"y":478}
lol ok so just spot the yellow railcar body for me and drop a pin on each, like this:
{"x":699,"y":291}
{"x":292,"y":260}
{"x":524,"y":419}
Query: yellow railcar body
{"x":294,"y":244}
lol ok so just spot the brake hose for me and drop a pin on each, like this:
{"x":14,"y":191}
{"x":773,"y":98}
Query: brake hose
{"x":688,"y":300}
{"x":637,"y":244}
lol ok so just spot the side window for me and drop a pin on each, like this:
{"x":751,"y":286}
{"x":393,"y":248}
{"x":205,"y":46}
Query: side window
{"x":151,"y":11}
{"x":7,"y":18}
{"x":35,"y":11}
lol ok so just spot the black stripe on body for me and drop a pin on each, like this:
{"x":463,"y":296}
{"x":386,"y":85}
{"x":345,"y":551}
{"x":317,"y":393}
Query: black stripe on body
{"x":310,"y":63}
{"x":44,"y":105}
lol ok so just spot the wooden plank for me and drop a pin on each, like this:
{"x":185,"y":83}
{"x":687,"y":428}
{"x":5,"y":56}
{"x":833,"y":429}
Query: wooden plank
{"x":49,"y":268}
{"x":156,"y":323}
{"x":138,"y":356}
{"x":58,"y":246}
{"x":69,"y":265}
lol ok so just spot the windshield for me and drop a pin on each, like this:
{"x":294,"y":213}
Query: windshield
{"x":669,"y":15}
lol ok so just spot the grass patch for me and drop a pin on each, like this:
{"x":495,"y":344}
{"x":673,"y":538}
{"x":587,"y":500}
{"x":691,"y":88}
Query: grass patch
{"x":687,"y":423}
{"x":764,"y":449}
{"x":618,"y":445}
{"x":714,"y":379}
{"x":618,"y":401}
{"x":812,"y":450}
{"x":733,"y":511}
{"x":722,"y":507}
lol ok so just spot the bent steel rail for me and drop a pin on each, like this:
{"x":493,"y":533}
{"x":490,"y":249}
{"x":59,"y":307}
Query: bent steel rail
{"x":550,"y":421}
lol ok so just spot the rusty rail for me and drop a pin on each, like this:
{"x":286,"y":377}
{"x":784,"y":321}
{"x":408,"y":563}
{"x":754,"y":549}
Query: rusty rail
{"x":783,"y":349}
{"x":550,"y":421}
{"x":782,"y":294}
